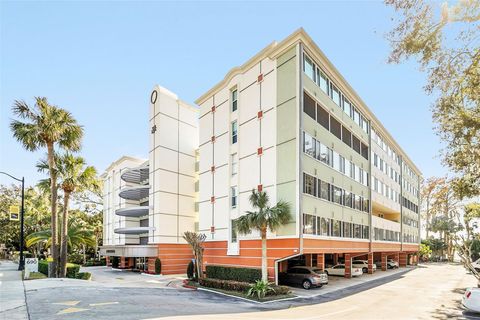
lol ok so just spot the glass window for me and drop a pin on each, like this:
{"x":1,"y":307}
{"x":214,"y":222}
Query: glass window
{"x":342,"y":164}
{"x":336,"y":161}
{"x":347,"y":167}
{"x":348,"y":199}
{"x":307,"y":224}
{"x":364,"y":150}
{"x":346,"y":106}
{"x":233,"y":192}
{"x":365,"y":232}
{"x":234,"y":132}
{"x":335,"y":228}
{"x":322,"y":81}
{"x":308,"y":144}
{"x":324,"y":154}
{"x":358,"y":202}
{"x":347,"y":229}
{"x":324,"y":223}
{"x":364,"y":124}
{"x":234,"y":159}
{"x":336,"y":128}
{"x":309,"y":185}
{"x":308,"y":67}
{"x":337,"y":195}
{"x":324,"y":190}
{"x":356,"y":144}
{"x":234,"y":100}
{"x":365,"y":178}
{"x":322,"y":117}
{"x":346,"y":136}
{"x":357,"y":231}
{"x":352,"y":170}
{"x":233,"y":230}
{"x":366,"y":205}
{"x":356,"y":116}
{"x":335,"y":94}
{"x":309,"y":105}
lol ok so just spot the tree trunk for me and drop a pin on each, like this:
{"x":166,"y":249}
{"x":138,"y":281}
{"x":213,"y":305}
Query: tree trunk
{"x":264,"y":255}
{"x":96,"y":248}
{"x":64,"y":238}
{"x":53,"y":271}
{"x":427,"y":225}
{"x":84,"y":254}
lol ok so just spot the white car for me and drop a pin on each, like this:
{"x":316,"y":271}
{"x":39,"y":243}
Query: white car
{"x":339,"y":270}
{"x":471,"y":299}
{"x":392,"y":264}
{"x":363,"y":264}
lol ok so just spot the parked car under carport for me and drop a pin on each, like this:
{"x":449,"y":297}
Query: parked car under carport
{"x":307,"y":277}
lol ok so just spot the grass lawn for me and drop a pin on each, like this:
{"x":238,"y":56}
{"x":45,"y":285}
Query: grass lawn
{"x":34,"y":275}
{"x":243,"y":295}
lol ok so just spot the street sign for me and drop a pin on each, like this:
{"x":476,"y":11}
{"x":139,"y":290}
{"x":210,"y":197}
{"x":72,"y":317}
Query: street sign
{"x":14,"y":213}
{"x":31,"y":264}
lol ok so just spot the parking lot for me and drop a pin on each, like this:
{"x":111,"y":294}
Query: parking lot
{"x":338,"y":283}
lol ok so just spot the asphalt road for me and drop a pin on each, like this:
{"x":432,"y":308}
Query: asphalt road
{"x":431,"y":292}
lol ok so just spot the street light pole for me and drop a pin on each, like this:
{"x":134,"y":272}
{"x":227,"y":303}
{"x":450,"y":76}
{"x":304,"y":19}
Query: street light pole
{"x":21,"y":263}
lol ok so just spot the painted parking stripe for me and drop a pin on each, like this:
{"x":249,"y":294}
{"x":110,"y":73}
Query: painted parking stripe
{"x":71,"y":310}
{"x":102,"y":304}
{"x":67,"y":303}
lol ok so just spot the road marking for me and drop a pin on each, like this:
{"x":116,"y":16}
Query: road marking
{"x":67,"y":303}
{"x":102,"y":304}
{"x":71,"y":310}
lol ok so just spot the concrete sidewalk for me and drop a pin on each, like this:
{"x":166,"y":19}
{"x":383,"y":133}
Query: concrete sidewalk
{"x":12,"y":292}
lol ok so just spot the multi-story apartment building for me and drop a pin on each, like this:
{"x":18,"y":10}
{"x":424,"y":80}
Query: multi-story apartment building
{"x":286,"y":122}
{"x":149,"y":204}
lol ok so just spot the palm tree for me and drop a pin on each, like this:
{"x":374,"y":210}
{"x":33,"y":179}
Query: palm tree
{"x":265,"y":218}
{"x":77,"y":235}
{"x":73,"y":176}
{"x":47,"y":126}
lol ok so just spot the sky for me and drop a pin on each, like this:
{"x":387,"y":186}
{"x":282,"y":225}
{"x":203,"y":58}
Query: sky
{"x":100,"y":60}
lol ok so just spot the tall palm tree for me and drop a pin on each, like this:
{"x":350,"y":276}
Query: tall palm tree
{"x":47,"y":126}
{"x":77,"y":235}
{"x":265,"y":218}
{"x":74,"y":176}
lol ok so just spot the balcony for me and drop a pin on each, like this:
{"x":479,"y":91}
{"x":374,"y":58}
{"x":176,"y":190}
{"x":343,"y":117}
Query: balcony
{"x":134,"y":230}
{"x":134,"y":193}
{"x":385,"y":224}
{"x":136,"y":175}
{"x":137,"y":211}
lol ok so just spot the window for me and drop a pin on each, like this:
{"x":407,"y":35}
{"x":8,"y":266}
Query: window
{"x":352,"y":171}
{"x":308,"y":105}
{"x":358,"y":202}
{"x":335,"y":94}
{"x":308,"y":67}
{"x":347,"y":229}
{"x":357,"y":231}
{"x":308,"y":144}
{"x":348,"y":199}
{"x":366,"y":232}
{"x":233,"y":195}
{"x":336,"y":128}
{"x":336,"y":232}
{"x":234,"y":160}
{"x":356,"y":144}
{"x":337,"y":195}
{"x":309,"y":185}
{"x":348,"y":167}
{"x":346,"y":106}
{"x":322,"y":81}
{"x":366,"y":205}
{"x":346,"y":136}
{"x":364,"y":150}
{"x":234,"y":132}
{"x":356,"y":116}
{"x":234,"y":100}
{"x":307,"y":224}
{"x":324,"y":190}
{"x":342,"y":164}
{"x":233,"y":230}
{"x":324,"y":227}
{"x":336,"y":161}
{"x":322,"y":117}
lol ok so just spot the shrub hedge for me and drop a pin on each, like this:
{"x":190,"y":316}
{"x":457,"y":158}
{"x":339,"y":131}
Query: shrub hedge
{"x":232,"y":273}
{"x":72,"y":269}
{"x":158,"y":266}
{"x":84,"y":275}
{"x":239,"y":286}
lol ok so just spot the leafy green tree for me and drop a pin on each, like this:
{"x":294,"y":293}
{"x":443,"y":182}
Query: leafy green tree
{"x":263,"y":219}
{"x":47,"y":126}
{"x":445,"y":40}
{"x":196,"y":240}
{"x":74,"y":176}
{"x":424,"y":252}
{"x":77,"y":235}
